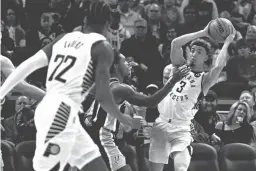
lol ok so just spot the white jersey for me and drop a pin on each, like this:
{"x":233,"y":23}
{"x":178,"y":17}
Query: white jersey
{"x":116,"y":37}
{"x":71,"y":69}
{"x":182,"y":102}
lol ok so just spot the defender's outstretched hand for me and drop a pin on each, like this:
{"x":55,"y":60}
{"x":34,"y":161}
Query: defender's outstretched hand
{"x":180,"y":73}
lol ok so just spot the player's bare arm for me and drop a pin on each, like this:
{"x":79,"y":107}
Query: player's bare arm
{"x":176,"y":53}
{"x":35,"y":62}
{"x":212,"y":76}
{"x":125,"y":92}
{"x":29,"y":90}
{"x":103,"y":53}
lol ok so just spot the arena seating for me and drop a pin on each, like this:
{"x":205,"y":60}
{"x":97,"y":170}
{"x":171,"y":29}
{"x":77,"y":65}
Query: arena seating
{"x":204,"y":158}
{"x":24,"y":153}
{"x":232,"y":157}
{"x":237,"y":157}
{"x":8,"y":153}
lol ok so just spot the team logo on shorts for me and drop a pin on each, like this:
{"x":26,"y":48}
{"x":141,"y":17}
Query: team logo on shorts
{"x":52,"y":149}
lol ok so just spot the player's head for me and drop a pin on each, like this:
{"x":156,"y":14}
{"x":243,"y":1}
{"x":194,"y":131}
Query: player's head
{"x":99,"y":16}
{"x":120,"y":66}
{"x":199,"y":55}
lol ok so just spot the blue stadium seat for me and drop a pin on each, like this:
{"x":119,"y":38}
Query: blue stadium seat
{"x":24,"y":153}
{"x":204,"y":158}
{"x":237,"y":157}
{"x":8,"y":152}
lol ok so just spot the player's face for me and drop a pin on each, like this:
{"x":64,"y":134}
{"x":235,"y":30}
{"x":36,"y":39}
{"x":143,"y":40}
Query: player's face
{"x":248,"y":98}
{"x":124,"y":67}
{"x":198,"y":56}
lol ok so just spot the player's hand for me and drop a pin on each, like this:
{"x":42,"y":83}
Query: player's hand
{"x":180,"y":73}
{"x":232,"y":35}
{"x":206,"y":30}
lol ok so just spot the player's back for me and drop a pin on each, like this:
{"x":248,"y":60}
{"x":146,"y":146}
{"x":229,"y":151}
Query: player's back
{"x":71,"y":67}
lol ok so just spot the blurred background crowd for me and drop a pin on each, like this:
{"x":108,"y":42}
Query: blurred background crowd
{"x":142,"y":30}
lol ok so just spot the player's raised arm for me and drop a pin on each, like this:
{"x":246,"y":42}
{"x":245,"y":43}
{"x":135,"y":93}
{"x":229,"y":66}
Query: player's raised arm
{"x":136,"y":98}
{"x":176,"y":54}
{"x":212,"y":76}
{"x":103,"y":53}
{"x":29,"y":90}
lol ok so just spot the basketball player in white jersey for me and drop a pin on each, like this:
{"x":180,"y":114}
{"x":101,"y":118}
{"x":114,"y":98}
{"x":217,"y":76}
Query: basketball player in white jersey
{"x":105,"y":126}
{"x":76,"y":61}
{"x":170,"y":135}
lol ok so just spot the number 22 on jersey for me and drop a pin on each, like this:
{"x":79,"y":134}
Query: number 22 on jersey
{"x":58,"y":74}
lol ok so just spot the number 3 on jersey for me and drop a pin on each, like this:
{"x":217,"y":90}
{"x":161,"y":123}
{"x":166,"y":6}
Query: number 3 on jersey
{"x":182,"y":85}
{"x":62,"y":59}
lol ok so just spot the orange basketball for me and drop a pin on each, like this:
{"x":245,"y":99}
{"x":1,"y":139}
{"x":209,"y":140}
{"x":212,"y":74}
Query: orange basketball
{"x":219,"y":29}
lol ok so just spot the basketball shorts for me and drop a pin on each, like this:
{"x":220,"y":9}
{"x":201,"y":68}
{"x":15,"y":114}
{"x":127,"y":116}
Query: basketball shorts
{"x":109,"y":150}
{"x":60,"y":138}
{"x":166,"y":139}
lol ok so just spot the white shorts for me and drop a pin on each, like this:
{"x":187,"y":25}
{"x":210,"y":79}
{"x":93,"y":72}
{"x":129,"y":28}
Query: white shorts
{"x":167,"y":139}
{"x":60,"y":137}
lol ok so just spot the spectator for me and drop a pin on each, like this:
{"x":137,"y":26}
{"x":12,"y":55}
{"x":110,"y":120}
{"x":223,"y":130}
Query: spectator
{"x":207,"y":114}
{"x":206,"y":10}
{"x":251,"y":33}
{"x":171,"y":15}
{"x":138,"y":7}
{"x":34,"y":37}
{"x":236,"y":128}
{"x":155,"y":26}
{"x":71,"y":13}
{"x":142,"y":47}
{"x":128,"y":16}
{"x":16,"y":33}
{"x":10,"y":124}
{"x":248,"y":98}
{"x":7,"y":44}
{"x":116,"y":32}
{"x":165,"y":48}
{"x":251,"y":17}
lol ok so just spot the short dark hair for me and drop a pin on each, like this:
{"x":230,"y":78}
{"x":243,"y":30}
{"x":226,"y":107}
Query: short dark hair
{"x":206,"y":45}
{"x":99,"y":13}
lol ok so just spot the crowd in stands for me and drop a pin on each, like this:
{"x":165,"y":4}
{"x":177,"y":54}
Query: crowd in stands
{"x":142,"y":30}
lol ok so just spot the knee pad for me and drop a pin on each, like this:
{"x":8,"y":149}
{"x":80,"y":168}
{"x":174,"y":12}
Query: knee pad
{"x":181,"y":165}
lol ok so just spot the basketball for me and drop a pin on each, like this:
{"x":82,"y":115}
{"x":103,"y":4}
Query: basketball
{"x":219,"y":29}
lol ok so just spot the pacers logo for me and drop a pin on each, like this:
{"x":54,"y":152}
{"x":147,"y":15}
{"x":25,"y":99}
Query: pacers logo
{"x":52,"y":149}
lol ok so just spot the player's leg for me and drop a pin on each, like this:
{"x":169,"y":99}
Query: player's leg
{"x":181,"y":151}
{"x":159,"y":149}
{"x":113,"y":156}
{"x":86,"y":154}
{"x":182,"y":160}
{"x":55,"y":134}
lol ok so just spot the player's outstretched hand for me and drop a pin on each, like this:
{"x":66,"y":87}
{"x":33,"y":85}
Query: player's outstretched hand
{"x":180,"y":73}
{"x":206,"y":30}
{"x":232,"y":35}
